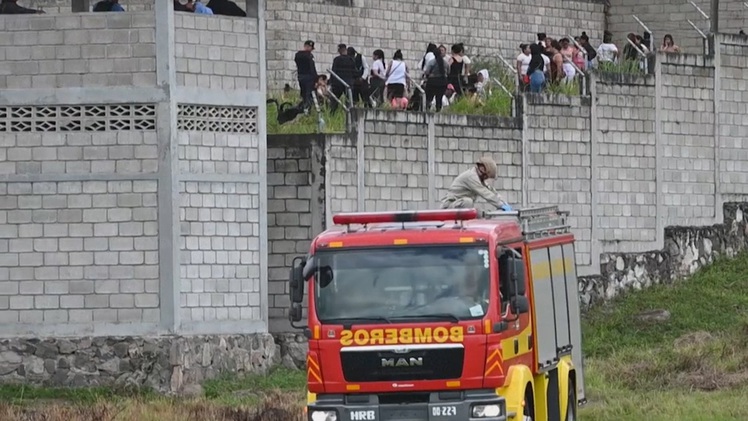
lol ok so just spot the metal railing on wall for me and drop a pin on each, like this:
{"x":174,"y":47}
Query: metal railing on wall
{"x":418,"y":87}
{"x":642,"y":54}
{"x":348,"y":90}
{"x":508,"y":92}
{"x":585,"y":78}
{"x":512,"y":70}
{"x":583,"y":87}
{"x":320,"y":119}
{"x":653,"y":46}
{"x":349,"y":96}
{"x":580,"y":48}
{"x":704,"y":38}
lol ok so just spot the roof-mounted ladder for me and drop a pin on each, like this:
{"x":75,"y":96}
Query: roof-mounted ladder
{"x":536,"y":222}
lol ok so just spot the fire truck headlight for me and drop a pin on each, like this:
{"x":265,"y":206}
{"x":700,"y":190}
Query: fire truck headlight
{"x":324,"y":416}
{"x":486,"y":411}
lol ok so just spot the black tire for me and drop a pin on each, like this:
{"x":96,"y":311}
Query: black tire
{"x":571,"y":406}
{"x":528,"y":412}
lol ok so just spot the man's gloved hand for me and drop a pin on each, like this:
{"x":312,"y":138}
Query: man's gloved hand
{"x":506,"y":208}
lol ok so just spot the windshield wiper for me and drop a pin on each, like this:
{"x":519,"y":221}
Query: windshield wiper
{"x":438,"y":316}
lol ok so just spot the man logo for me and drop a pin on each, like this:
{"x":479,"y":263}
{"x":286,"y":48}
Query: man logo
{"x":402,"y":362}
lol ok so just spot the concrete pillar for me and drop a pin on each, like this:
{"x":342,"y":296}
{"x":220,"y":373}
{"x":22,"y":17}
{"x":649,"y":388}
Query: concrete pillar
{"x":168,"y":198}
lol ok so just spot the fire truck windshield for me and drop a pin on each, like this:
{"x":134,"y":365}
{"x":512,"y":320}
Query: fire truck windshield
{"x":417,"y":283}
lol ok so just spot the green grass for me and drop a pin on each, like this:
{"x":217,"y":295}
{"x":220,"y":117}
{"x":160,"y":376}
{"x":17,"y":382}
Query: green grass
{"x":714,"y":300}
{"x":692,"y":367}
{"x":304,"y":124}
{"x":497,"y":103}
{"x":625,"y":67}
{"x":231,"y":390}
{"x":21,"y":394}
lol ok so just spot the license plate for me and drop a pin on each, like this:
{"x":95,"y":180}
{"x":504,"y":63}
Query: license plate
{"x":443,"y":411}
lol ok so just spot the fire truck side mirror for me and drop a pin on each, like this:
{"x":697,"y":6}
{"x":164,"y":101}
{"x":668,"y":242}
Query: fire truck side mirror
{"x":296,"y":281}
{"x":295,"y":312}
{"x":518,"y":276}
{"x":520,"y":305}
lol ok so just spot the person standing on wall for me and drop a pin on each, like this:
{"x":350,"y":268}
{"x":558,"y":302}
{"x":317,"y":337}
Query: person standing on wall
{"x":344,"y":67}
{"x":306,"y":71}
{"x":471,"y":184}
{"x":435,"y":72}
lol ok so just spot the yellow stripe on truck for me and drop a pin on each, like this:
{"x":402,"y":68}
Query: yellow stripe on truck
{"x":542,"y":270}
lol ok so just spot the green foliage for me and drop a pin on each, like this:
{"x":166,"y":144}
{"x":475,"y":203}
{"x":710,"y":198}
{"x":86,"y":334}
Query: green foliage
{"x":497,"y":103}
{"x":20,"y":394}
{"x":714,"y":300}
{"x":693,"y":366}
{"x":626,"y":67}
{"x":563,"y":88}
{"x":229,"y":389}
{"x":304,"y":124}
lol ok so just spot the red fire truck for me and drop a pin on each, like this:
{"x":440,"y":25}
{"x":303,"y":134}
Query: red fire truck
{"x":442,"y":315}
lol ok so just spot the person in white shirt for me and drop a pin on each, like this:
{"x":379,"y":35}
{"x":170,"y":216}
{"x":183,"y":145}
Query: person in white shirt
{"x":481,"y":86}
{"x":523,"y":60}
{"x":607,"y":52}
{"x":377,"y":76}
{"x":430,"y":50}
{"x":396,"y":77}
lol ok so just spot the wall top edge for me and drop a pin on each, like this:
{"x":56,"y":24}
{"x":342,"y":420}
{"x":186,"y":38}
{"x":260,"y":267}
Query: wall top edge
{"x":393,"y":116}
{"x":294,"y":140}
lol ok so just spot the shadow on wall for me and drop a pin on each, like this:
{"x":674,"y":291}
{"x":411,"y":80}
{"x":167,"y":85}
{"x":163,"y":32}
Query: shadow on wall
{"x":686,"y":250}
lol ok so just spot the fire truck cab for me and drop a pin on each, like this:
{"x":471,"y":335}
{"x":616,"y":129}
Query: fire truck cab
{"x":442,"y":315}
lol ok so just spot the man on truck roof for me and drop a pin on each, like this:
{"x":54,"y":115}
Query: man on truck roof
{"x":471,"y":184}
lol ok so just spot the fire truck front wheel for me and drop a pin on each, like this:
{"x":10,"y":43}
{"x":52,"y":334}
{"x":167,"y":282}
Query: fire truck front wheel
{"x":571,"y":406}
{"x":528,"y":412}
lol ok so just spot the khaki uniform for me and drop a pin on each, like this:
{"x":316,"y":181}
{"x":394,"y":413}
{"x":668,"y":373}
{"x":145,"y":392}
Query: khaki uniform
{"x":466,"y":189}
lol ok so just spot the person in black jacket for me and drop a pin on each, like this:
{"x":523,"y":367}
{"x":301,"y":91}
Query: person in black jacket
{"x":584,"y":41}
{"x":344,"y":67}
{"x":225,"y":8}
{"x":360,"y":86}
{"x":306,"y":72}
{"x":10,"y":7}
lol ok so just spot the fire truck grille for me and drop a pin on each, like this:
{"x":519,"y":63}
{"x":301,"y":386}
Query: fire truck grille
{"x":375,"y":366}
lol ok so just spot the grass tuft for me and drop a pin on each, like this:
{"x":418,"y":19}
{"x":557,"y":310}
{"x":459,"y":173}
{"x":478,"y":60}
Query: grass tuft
{"x":623,"y":67}
{"x":304,"y":124}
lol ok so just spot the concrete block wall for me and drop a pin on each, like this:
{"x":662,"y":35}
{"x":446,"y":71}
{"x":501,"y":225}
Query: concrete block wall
{"x":396,"y":167}
{"x":687,"y":139}
{"x":220,"y":52}
{"x":342,"y":177}
{"x":460,"y":140}
{"x":485,"y":26}
{"x":671,"y":17}
{"x":82,"y":50}
{"x":296,"y":206}
{"x":558,"y":163}
{"x":132,"y":205}
{"x":732,"y":107}
{"x":78,"y":249}
{"x":624,"y":171}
